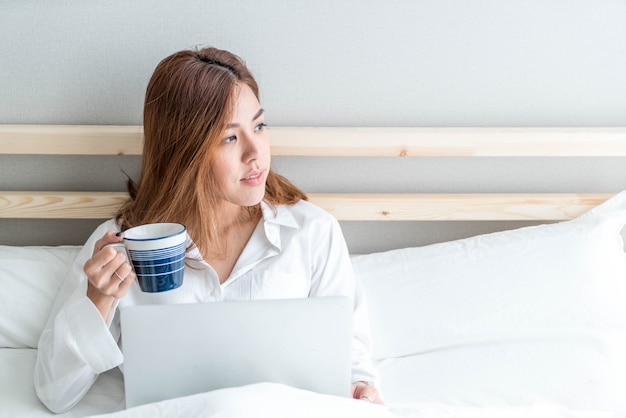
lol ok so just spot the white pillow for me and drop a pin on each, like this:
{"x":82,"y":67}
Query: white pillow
{"x":536,"y":314}
{"x":30,"y":278}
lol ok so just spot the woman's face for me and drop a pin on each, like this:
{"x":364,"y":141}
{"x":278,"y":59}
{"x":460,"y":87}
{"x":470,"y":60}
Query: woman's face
{"x":242,"y":160}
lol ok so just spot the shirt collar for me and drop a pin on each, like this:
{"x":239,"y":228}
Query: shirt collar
{"x":278,"y":215}
{"x":275,"y":217}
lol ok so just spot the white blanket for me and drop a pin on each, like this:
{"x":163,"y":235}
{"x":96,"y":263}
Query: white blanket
{"x":18,"y":399}
{"x":17,"y":392}
{"x":258,"y":401}
{"x":278,"y":401}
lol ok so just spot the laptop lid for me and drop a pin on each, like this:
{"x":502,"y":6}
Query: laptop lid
{"x":182,"y":349}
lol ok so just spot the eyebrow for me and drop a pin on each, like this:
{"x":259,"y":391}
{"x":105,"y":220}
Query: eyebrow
{"x":255,"y":117}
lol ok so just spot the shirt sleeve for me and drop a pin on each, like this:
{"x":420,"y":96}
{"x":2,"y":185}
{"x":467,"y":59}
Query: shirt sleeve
{"x":77,"y":344}
{"x":333,"y":274}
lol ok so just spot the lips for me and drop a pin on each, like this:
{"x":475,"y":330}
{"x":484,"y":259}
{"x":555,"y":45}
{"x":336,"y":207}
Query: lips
{"x":253,"y":178}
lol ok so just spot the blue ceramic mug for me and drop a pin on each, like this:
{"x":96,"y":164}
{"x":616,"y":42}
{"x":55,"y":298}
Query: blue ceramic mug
{"x":157,"y":254}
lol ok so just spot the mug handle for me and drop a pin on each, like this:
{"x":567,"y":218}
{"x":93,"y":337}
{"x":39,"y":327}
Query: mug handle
{"x":119,"y":246}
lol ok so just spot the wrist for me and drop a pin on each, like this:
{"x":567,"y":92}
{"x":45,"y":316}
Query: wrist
{"x":102,"y":302}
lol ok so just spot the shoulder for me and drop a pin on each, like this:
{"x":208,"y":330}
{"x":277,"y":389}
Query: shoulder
{"x":303,"y":216}
{"x":309,"y":209}
{"x":305,"y":213}
{"x":109,"y":225}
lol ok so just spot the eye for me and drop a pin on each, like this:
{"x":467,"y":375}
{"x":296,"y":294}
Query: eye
{"x":260,"y":127}
{"x":230,"y":139}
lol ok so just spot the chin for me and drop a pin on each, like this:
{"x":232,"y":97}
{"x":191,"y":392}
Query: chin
{"x":254,"y":200}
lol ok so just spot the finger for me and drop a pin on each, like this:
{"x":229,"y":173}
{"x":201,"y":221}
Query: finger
{"x":123,"y":273}
{"x":117,"y":284}
{"x":368,"y":396}
{"x":357,"y":388}
{"x":365,"y":392}
{"x":116,"y":264}
{"x":122,"y":284}
{"x":108,"y":238}
{"x":371,"y":395}
{"x":120,"y":278}
{"x":101,"y":267}
{"x":123,"y":270}
{"x":101,"y":259}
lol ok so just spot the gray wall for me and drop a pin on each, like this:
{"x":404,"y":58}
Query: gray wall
{"x":327,"y":63}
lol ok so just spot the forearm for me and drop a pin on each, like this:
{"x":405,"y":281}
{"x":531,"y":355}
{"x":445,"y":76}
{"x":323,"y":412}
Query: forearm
{"x":61,"y":379}
{"x":71,"y":354}
{"x":336,"y":276}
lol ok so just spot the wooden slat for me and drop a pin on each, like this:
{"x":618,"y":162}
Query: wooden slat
{"x":60,"y":205}
{"x":449,"y":142}
{"x":345,"y":207}
{"x":342,"y":141}
{"x":71,"y":139}
{"x":457,"y":207}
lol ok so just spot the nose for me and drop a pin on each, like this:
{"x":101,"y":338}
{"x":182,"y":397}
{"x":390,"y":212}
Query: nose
{"x":251,"y":148}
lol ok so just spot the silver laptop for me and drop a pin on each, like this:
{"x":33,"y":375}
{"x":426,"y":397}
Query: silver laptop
{"x":183,"y":349}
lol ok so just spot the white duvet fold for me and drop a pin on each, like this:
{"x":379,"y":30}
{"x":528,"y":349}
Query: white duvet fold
{"x":271,"y":400}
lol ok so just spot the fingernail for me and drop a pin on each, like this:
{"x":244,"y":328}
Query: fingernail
{"x":119,"y":234}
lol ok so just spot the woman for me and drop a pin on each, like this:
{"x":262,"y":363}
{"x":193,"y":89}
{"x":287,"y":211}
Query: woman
{"x":251,"y":233}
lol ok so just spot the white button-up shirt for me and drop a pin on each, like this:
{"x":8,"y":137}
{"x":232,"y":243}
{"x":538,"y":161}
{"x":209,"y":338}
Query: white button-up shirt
{"x":295,"y":251}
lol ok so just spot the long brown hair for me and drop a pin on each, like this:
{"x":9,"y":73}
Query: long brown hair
{"x":188,"y":103}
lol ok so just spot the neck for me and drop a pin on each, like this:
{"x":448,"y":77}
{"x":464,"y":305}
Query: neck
{"x":233,"y":230}
{"x":237,"y":216}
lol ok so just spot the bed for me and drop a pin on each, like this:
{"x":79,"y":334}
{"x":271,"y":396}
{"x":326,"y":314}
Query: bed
{"x":519,"y":322}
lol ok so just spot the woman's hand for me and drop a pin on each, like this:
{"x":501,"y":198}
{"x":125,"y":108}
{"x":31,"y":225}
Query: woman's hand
{"x":109,"y":275}
{"x":366,"y":392}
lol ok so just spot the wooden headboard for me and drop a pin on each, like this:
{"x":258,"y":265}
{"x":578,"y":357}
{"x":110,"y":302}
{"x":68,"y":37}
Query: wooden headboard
{"x":401,"y":143}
